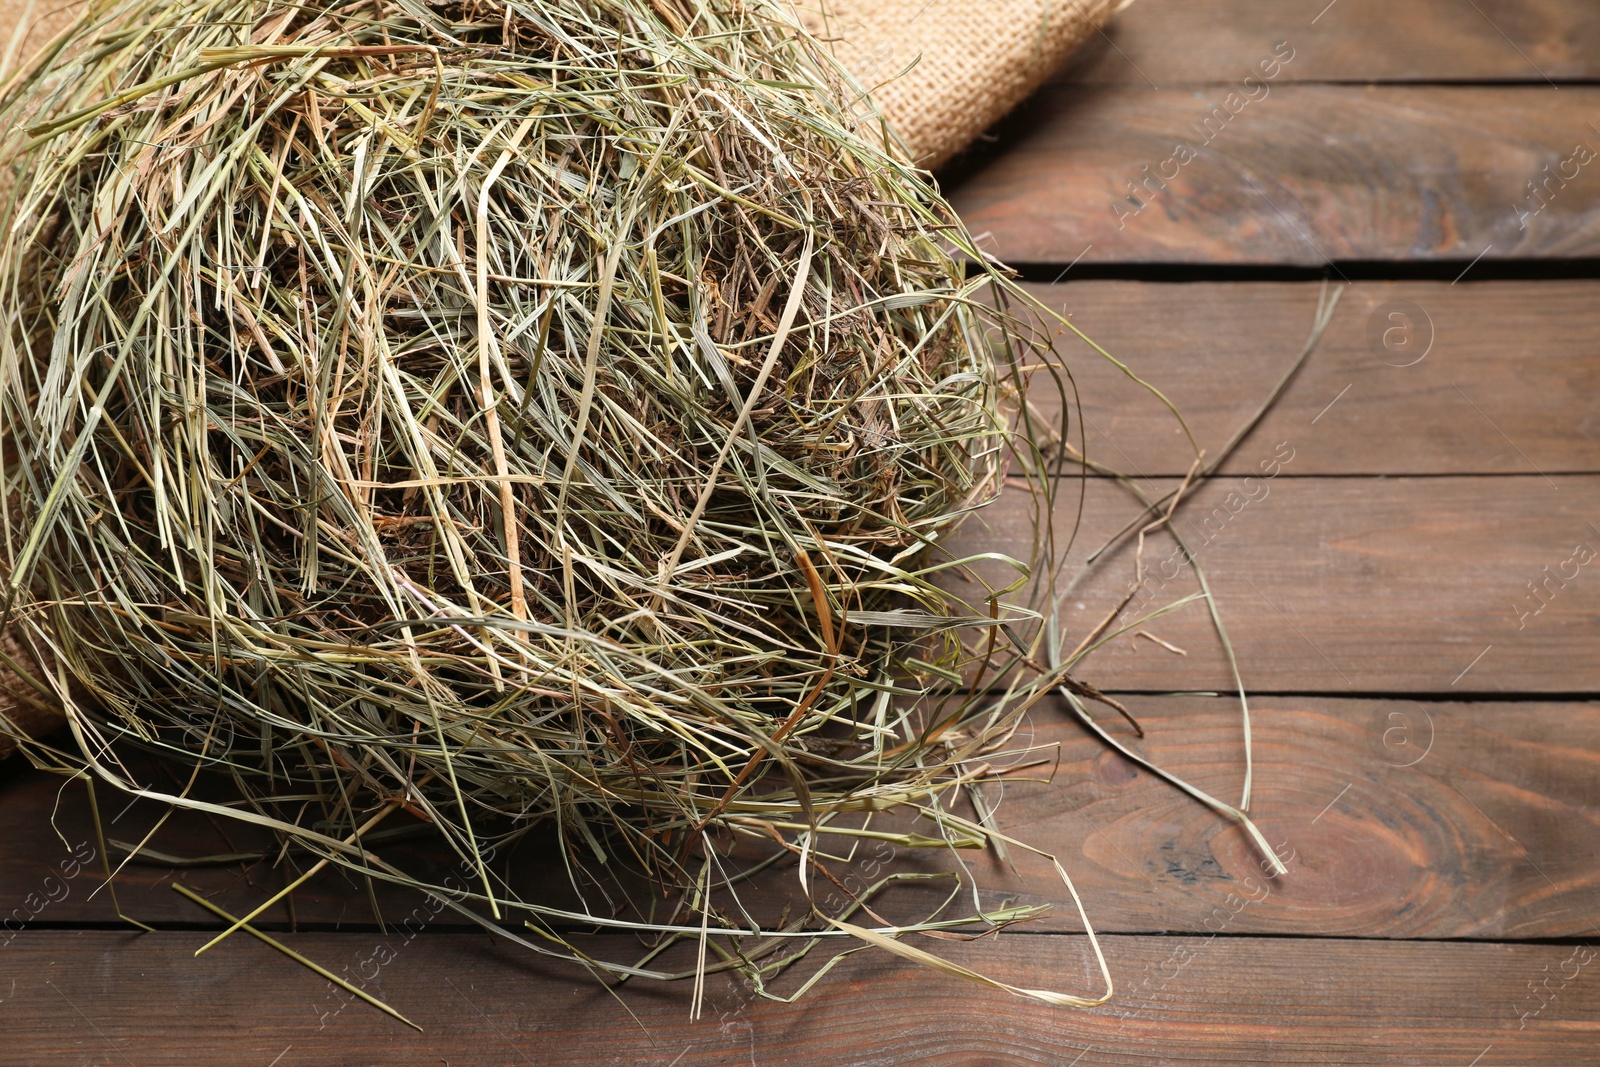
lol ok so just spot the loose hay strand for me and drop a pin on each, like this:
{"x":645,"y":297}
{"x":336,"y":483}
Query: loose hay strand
{"x":311,"y":965}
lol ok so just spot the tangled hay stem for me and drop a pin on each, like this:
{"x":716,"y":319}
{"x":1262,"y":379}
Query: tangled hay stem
{"x":548,"y":412}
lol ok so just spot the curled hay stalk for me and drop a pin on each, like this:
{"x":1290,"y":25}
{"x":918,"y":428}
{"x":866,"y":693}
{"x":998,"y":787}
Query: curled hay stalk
{"x":535,"y":413}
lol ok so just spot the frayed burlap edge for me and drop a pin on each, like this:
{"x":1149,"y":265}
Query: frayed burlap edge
{"x":23,"y":711}
{"x":943,"y":71}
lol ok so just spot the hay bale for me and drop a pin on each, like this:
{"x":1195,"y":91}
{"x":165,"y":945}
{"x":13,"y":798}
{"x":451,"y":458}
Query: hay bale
{"x":506,"y":414}
{"x":968,"y":65}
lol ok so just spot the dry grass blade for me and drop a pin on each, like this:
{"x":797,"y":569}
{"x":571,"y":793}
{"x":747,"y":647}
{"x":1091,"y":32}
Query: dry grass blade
{"x":315,"y":968}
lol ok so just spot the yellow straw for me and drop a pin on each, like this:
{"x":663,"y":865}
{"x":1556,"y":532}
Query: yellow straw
{"x":240,"y":924}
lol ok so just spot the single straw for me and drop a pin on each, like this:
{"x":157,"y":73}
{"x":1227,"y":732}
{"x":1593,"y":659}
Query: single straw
{"x":240,"y":924}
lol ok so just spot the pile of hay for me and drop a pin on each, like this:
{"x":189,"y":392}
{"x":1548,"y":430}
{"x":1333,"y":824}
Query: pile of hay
{"x":544,"y":412}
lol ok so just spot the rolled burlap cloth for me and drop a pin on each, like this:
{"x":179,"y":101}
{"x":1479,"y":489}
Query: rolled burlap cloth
{"x":23,"y":712}
{"x":943,"y":71}
{"x":940,"y":71}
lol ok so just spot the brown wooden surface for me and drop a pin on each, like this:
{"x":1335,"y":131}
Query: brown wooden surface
{"x":1341,"y":585}
{"x":1307,"y":174}
{"x":1427,"y":760}
{"x":1173,"y":42}
{"x":1394,"y":815}
{"x":1410,"y":378}
{"x":1184,"y":999}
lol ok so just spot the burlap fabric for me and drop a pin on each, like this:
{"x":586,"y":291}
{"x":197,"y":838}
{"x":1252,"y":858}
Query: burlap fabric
{"x":940,"y":71}
{"x":17,"y":711}
{"x":943,"y":71}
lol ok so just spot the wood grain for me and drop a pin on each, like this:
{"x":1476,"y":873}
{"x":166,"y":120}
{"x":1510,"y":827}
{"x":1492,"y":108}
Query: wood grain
{"x":1410,"y":377}
{"x":1342,"y":585}
{"x":1397,"y":819}
{"x":68,"y":1001}
{"x":1391,"y":556}
{"x":1178,"y":41}
{"x":1303,"y":175}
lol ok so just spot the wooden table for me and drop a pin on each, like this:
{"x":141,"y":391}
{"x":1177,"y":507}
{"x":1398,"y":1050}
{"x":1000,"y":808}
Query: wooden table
{"x":1415,"y":602}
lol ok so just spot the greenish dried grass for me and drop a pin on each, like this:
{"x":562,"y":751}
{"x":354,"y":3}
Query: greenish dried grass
{"x":540,"y":413}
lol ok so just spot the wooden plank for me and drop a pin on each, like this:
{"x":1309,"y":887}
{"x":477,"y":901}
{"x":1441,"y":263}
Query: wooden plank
{"x":1343,"y":585}
{"x":52,"y":865}
{"x":1410,"y":377}
{"x":98,"y":997}
{"x":1176,"y":42}
{"x":1302,"y":175}
{"x":1397,"y":819}
{"x":1392,"y":817}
